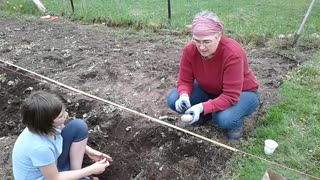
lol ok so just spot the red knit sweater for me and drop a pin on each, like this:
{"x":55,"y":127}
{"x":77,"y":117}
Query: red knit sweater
{"x":226,"y":74}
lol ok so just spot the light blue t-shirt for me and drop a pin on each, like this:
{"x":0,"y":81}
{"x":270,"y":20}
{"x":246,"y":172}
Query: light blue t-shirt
{"x":32,"y":151}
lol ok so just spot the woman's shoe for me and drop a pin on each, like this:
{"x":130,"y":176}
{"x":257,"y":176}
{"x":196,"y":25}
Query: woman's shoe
{"x":236,"y":133}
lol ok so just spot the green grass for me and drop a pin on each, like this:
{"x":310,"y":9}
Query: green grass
{"x":246,"y":20}
{"x":294,"y":124}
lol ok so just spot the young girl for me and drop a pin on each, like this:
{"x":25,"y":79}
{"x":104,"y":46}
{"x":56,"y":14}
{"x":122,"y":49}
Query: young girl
{"x":48,"y":149}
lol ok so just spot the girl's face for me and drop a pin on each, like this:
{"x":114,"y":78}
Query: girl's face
{"x":61,"y":118}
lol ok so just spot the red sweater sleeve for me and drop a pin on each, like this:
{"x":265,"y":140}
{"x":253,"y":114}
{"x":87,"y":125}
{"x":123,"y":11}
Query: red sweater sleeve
{"x":186,"y":76}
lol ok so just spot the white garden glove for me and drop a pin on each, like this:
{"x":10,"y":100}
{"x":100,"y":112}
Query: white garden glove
{"x":183,"y":103}
{"x":195,"y":111}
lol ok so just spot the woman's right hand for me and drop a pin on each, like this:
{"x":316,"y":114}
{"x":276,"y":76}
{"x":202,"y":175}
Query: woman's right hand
{"x":183,"y":103}
{"x":100,"y":166}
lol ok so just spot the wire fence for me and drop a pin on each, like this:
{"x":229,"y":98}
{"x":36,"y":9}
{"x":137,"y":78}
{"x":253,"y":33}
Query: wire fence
{"x":242,"y":16}
{"x":270,"y":17}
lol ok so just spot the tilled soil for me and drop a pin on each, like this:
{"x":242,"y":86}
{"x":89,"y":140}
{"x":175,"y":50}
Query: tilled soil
{"x":133,"y":70}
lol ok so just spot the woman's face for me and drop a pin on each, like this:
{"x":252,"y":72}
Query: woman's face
{"x":207,"y":45}
{"x":60,"y":120}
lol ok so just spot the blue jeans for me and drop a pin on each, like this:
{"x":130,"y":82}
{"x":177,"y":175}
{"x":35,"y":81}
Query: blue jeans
{"x":230,"y":118}
{"x":75,"y":131}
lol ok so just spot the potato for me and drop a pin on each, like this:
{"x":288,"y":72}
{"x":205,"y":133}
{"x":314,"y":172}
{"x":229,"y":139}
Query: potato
{"x":186,"y":118}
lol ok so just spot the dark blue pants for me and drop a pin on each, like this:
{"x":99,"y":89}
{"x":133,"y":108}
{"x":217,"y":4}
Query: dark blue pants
{"x":75,"y":131}
{"x":230,"y":118}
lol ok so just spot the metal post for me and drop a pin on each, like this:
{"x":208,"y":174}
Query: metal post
{"x":72,"y":6}
{"x":169,"y":10}
{"x":296,"y":36}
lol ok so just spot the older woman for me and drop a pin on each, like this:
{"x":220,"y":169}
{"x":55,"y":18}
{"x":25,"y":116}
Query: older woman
{"x":215,"y":78}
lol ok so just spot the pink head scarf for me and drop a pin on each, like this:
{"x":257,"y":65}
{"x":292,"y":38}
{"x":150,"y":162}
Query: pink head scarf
{"x":206,"y":25}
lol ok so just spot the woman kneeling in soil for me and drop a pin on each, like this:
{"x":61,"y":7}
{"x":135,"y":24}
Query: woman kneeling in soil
{"x":215,"y":78}
{"x":49,"y":149}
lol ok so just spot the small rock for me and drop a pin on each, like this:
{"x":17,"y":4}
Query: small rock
{"x":10,"y":83}
{"x":138,"y":64}
{"x":163,"y":80}
{"x":199,"y":141}
{"x":76,"y":105}
{"x":161,"y":168}
{"x":171,"y":118}
{"x":137,"y":133}
{"x":128,"y":128}
{"x":28,"y":90}
{"x":157,"y":164}
{"x":163,"y":117}
{"x":163,"y":134}
{"x":85,"y":115}
{"x":97,"y":129}
{"x":281,"y":36}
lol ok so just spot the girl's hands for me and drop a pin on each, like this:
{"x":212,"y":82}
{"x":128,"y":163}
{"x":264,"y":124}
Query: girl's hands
{"x":97,"y":155}
{"x":100,"y":166}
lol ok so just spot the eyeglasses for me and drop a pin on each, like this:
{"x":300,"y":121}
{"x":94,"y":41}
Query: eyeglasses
{"x":205,"y":42}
